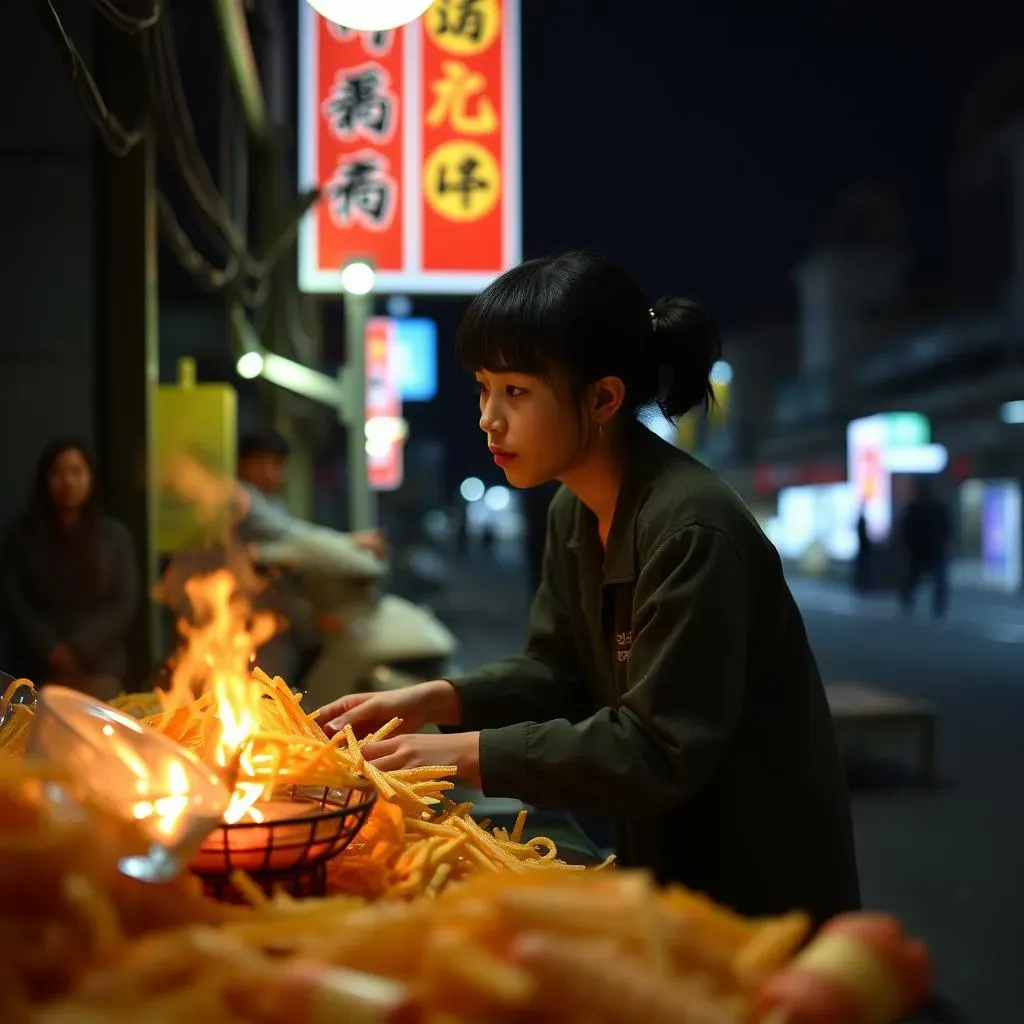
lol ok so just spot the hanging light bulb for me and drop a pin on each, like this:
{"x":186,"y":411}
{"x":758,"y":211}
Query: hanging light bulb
{"x":370,"y":15}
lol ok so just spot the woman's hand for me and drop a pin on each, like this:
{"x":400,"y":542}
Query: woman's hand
{"x":461,"y":749}
{"x":434,"y":703}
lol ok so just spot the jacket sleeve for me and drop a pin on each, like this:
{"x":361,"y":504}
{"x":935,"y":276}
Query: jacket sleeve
{"x":686,"y":677}
{"x":108,"y":621}
{"x":261,"y":519}
{"x":31,"y":629}
{"x":545,"y":681}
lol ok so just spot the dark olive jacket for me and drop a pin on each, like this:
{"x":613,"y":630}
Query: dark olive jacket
{"x":668,"y":683}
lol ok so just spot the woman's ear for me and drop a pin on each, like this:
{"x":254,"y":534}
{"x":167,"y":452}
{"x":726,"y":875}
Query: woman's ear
{"x":606,"y":398}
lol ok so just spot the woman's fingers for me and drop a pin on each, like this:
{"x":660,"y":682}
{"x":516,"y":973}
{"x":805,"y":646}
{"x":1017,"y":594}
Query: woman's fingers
{"x":352,"y":710}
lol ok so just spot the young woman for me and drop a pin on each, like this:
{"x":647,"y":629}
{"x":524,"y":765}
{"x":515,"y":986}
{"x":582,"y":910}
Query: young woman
{"x":69,"y":579}
{"x":667,"y":680}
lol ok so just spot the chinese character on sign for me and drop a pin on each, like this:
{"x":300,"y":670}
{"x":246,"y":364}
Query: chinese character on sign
{"x":362,"y":192}
{"x":454,"y":92}
{"x":373,"y":42}
{"x":463,"y":27}
{"x":361,"y":103}
{"x":460,"y":18}
{"x":462,"y":180}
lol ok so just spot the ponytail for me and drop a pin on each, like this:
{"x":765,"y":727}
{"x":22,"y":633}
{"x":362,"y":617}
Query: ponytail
{"x":687,"y":345}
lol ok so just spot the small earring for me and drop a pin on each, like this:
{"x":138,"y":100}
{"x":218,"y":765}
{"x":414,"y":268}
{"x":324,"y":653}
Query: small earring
{"x":600,"y":430}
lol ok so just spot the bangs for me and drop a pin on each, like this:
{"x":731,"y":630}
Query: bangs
{"x":514,"y":326}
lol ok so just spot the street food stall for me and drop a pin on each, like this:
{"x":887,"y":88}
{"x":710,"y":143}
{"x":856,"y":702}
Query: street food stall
{"x":206,"y":852}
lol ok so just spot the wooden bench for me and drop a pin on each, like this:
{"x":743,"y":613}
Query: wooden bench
{"x":862,"y":709}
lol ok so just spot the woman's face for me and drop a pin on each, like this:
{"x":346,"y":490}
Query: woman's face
{"x":532,"y":428}
{"x":70,"y":480}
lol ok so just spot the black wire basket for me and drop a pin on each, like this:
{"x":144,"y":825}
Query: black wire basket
{"x":289,"y":851}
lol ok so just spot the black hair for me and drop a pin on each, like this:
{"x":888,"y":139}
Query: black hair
{"x":266,"y":442}
{"x":587,"y":317}
{"x":41,"y":505}
{"x":42,"y":513}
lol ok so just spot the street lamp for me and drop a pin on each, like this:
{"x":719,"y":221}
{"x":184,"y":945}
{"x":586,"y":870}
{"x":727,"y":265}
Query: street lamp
{"x":370,"y":15}
{"x":472,"y":489}
{"x":357,"y":280}
{"x":249,"y":365}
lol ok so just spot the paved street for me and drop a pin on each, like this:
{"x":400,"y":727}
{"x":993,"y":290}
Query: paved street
{"x":947,"y":861}
{"x":973,"y":613}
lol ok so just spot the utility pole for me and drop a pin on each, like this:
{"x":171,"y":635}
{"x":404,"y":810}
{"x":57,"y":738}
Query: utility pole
{"x":127,"y":345}
{"x":361,"y":499}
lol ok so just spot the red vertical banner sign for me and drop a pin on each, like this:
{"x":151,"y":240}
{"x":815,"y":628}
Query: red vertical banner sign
{"x":359,"y":160}
{"x":384,"y":463}
{"x":462,"y":144}
{"x":412,"y":136}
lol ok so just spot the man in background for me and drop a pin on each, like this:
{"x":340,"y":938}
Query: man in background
{"x":263,"y":471}
{"x":264,"y":517}
{"x":926,"y":531}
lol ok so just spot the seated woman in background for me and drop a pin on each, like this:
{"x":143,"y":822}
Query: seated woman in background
{"x":69,"y":579}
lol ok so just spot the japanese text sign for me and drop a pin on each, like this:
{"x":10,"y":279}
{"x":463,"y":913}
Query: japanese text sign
{"x":412,"y":135}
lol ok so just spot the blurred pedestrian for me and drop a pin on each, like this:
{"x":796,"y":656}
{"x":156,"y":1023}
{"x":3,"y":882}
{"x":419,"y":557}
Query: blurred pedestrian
{"x":69,"y":579}
{"x":488,"y":538}
{"x":462,"y":531}
{"x":925,"y":534}
{"x":863,"y":563}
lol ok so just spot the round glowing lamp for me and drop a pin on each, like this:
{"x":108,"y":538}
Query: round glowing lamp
{"x":358,"y":278}
{"x":249,"y":365}
{"x":472,"y":489}
{"x":370,"y":15}
{"x":135,"y":774}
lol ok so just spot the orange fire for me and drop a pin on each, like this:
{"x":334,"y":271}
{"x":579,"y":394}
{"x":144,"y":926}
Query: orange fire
{"x":166,"y":813}
{"x":217,"y":652}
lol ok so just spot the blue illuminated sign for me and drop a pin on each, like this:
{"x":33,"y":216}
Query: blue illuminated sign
{"x":415,"y":342}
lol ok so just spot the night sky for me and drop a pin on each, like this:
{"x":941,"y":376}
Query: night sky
{"x":701,"y":149}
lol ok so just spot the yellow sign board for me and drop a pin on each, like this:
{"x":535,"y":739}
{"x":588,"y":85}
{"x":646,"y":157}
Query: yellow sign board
{"x":198,"y":421}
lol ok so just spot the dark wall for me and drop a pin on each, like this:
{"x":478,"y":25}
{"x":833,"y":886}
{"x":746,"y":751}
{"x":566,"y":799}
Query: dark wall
{"x":50,"y":231}
{"x":47,"y":223}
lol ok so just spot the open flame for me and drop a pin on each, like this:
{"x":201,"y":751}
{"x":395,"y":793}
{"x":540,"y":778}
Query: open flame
{"x":165,"y":814}
{"x":163,"y":794}
{"x":215,"y":658}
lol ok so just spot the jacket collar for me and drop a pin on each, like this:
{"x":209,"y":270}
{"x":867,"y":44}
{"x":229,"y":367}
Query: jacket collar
{"x":646,"y":455}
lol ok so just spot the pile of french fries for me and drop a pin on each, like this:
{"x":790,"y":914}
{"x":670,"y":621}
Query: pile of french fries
{"x":501,"y":949}
{"x":416,"y":842}
{"x":16,"y":718}
{"x":81,"y":943}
